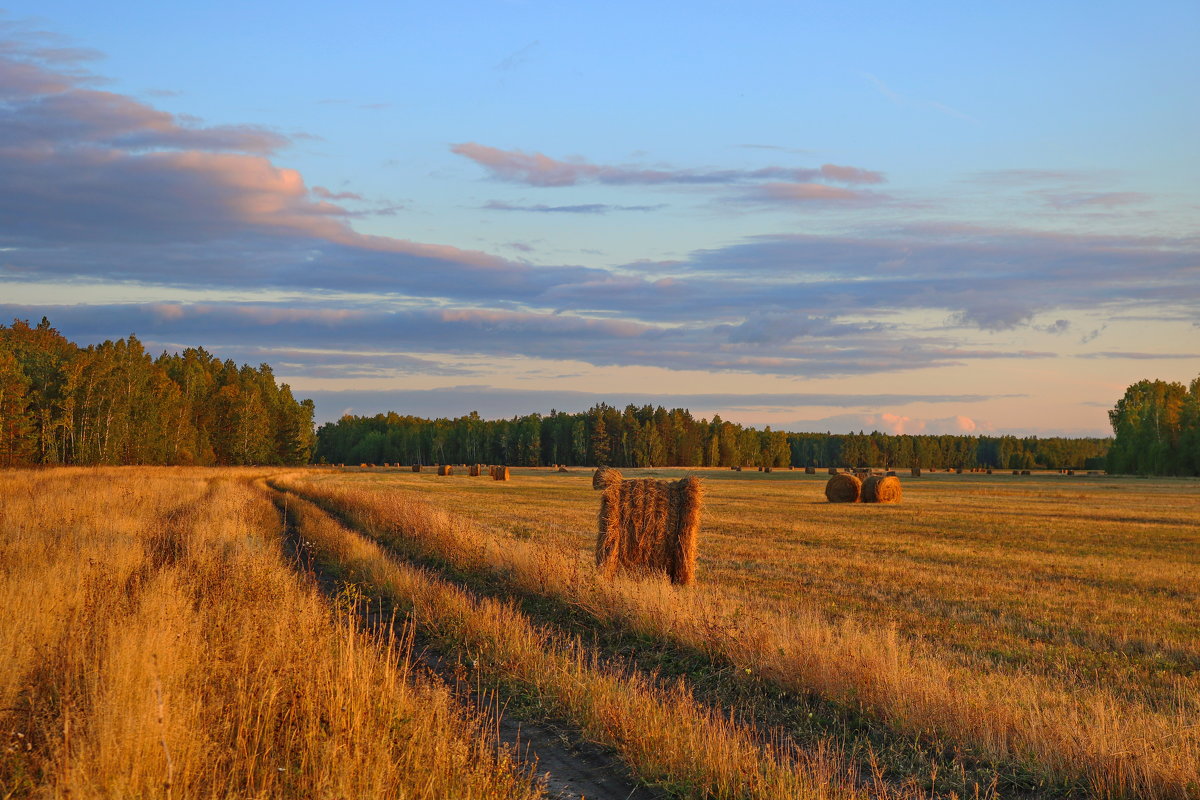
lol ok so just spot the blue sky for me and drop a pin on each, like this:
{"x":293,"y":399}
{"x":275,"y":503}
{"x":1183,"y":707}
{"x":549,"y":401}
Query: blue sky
{"x":934,"y":217}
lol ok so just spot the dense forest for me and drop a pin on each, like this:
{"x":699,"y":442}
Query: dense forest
{"x":112,"y":403}
{"x":1157,"y":426}
{"x":648,"y":436}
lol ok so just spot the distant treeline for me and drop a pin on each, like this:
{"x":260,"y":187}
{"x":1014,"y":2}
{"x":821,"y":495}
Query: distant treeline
{"x":112,"y":403}
{"x":647,"y":436}
{"x":1157,"y":426}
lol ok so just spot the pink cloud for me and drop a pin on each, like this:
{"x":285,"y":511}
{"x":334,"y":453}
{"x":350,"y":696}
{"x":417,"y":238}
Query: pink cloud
{"x":538,"y":169}
{"x":326,"y":194}
{"x":802,"y":192}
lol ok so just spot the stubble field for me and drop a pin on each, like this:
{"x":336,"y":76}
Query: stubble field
{"x":992,"y":635}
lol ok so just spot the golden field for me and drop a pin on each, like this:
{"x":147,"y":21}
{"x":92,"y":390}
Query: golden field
{"x":993,"y":635}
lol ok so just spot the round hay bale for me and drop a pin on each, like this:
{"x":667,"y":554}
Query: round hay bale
{"x":445,"y":469}
{"x":1016,"y":472}
{"x":881,"y":489}
{"x":989,"y":472}
{"x":604,"y":476}
{"x":500,"y":473}
{"x":843,"y":488}
{"x":1026,"y":472}
{"x":810,"y":470}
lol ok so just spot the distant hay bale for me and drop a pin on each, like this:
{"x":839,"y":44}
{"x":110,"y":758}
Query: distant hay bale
{"x":562,"y":468}
{"x":843,"y":488}
{"x":647,"y":525}
{"x":1026,"y":472}
{"x":362,"y":466}
{"x":416,"y":467}
{"x":732,"y":467}
{"x":738,"y":468}
{"x":760,"y":469}
{"x":766,"y":469}
{"x":810,"y":470}
{"x":916,"y":472}
{"x":500,"y":473}
{"x":1016,"y":472}
{"x":474,"y":471}
{"x":604,"y":476}
{"x":445,"y":469}
{"x":881,"y":489}
{"x":833,"y":470}
{"x":989,"y":471}
{"x":959,"y":470}
{"x":1070,"y":472}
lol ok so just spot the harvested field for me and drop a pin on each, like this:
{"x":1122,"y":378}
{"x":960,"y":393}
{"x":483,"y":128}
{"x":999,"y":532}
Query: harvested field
{"x":1031,"y":635}
{"x":1033,"y":583}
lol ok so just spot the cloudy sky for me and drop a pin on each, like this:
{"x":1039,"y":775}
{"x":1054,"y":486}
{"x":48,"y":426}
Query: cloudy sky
{"x":935,"y":217}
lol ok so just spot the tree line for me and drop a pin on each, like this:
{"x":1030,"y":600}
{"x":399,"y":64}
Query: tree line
{"x":1157,"y":427}
{"x":649,"y":436}
{"x":112,"y":403}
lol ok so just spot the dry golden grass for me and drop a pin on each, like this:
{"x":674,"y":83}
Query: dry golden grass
{"x":154,"y":643}
{"x":665,"y":736}
{"x":907,"y":612}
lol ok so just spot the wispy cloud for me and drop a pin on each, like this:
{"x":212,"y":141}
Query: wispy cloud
{"x":518,"y":57}
{"x":909,"y":101}
{"x":537,"y":169}
{"x":583,"y":208}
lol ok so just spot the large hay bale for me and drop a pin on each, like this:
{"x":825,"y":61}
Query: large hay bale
{"x":881,"y":489}
{"x":416,"y":467}
{"x":647,"y":525}
{"x":474,"y":470}
{"x":843,"y":488}
{"x":445,"y":469}
{"x":810,"y":470}
{"x":500,"y":473}
{"x":604,"y":476}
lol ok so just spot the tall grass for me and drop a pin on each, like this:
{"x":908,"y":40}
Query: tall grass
{"x":1115,"y":747}
{"x":664,"y":735}
{"x":154,"y":643}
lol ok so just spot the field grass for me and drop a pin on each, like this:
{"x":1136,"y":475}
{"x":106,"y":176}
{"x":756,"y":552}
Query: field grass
{"x":1031,"y":636}
{"x":155,"y":643}
{"x":1092,"y":581}
{"x":1047,"y":621}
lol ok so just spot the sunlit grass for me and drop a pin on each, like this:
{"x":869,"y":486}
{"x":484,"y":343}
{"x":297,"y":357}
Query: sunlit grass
{"x":1037,"y":620}
{"x":154,"y":643}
